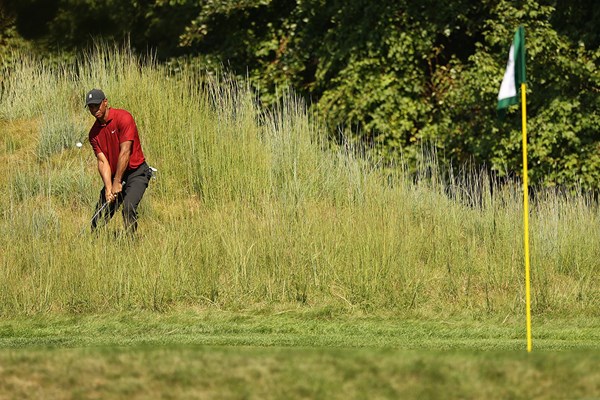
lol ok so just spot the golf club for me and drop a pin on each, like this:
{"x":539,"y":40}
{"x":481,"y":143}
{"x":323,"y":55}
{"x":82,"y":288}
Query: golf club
{"x":153,"y":172}
{"x":94,"y":217}
{"x":99,"y":211}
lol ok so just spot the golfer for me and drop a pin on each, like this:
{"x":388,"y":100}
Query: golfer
{"x":121,"y":163}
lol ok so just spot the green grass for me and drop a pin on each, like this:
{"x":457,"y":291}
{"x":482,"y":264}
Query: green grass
{"x":253,"y":206}
{"x":311,"y":260}
{"x":293,"y":353}
{"x":190,"y":372}
{"x":295,"y":328}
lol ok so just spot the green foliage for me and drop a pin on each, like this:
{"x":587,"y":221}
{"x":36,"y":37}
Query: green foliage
{"x":394,"y":75}
{"x":562,"y":103}
{"x":9,"y":39}
{"x":70,"y":25}
{"x":397,"y":81}
{"x":578,"y":21}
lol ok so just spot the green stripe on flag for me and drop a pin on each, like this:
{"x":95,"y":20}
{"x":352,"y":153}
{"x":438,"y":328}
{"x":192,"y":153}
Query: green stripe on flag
{"x":515,"y":73}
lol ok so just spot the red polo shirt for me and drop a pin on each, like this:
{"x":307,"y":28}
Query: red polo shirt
{"x":107,"y":138}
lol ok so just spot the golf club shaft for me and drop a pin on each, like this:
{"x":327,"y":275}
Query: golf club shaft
{"x":100,"y":210}
{"x":103,"y":207}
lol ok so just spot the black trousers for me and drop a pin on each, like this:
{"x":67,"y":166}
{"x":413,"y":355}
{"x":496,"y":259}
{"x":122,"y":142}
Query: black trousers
{"x":136,"y":182}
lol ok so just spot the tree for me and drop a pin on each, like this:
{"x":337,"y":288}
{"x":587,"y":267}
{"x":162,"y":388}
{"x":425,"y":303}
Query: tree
{"x":395,"y":74}
{"x":563,"y":102}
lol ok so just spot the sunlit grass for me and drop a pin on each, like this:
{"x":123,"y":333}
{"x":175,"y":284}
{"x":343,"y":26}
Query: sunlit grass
{"x":290,"y":351}
{"x":253,"y":207}
{"x":293,"y":373}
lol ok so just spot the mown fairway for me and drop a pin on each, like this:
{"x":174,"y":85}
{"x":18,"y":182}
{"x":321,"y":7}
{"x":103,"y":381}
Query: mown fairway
{"x":270,"y":264}
{"x":293,"y":354}
{"x":226,"y":372}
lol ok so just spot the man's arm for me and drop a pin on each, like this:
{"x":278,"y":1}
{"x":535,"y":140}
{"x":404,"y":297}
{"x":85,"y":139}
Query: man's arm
{"x":104,"y":170}
{"x":125,"y":150}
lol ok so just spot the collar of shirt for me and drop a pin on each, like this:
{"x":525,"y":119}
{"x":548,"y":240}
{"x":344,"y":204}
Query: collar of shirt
{"x":105,"y":124}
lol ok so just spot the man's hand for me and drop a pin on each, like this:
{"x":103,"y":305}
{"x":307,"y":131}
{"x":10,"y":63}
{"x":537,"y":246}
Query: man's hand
{"x":117,"y":187}
{"x":109,"y":196}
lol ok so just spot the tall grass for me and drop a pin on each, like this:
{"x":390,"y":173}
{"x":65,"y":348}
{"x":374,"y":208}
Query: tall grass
{"x":251,"y":208}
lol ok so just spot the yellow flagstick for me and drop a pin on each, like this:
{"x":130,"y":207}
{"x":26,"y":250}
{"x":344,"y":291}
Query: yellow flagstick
{"x":526,"y":218}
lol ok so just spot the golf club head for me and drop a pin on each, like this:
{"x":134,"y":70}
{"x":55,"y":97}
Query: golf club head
{"x":153,"y":172}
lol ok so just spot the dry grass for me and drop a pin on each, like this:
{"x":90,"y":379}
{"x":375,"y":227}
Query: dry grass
{"x":253,"y":207}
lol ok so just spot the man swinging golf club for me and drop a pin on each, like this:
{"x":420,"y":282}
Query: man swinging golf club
{"x":121,"y":163}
